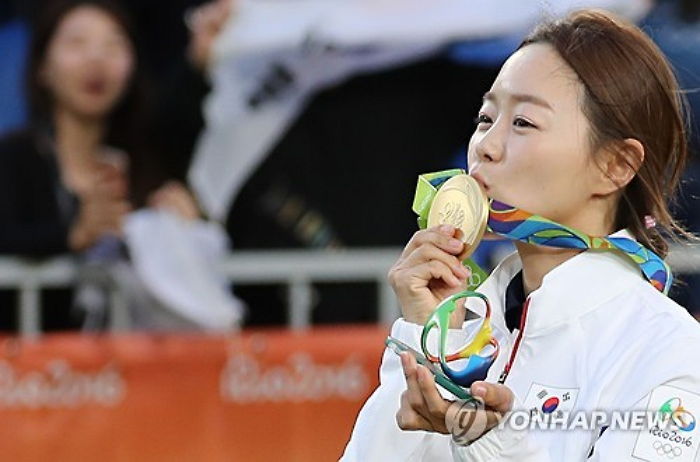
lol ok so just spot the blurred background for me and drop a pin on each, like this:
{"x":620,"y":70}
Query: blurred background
{"x":200,"y":200}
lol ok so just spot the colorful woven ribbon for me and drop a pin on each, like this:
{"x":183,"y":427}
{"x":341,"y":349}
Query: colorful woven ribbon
{"x":517,"y":224}
{"x":513,"y":223}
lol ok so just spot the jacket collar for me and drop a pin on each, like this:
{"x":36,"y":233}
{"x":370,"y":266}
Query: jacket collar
{"x":570,"y":290}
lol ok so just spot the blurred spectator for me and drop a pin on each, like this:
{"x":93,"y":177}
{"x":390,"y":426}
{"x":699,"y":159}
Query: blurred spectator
{"x":69,"y":179}
{"x":173,"y":52}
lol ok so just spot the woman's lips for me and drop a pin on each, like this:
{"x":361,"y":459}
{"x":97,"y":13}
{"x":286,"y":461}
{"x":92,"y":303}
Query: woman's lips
{"x":95,"y":87}
{"x":480,"y":180}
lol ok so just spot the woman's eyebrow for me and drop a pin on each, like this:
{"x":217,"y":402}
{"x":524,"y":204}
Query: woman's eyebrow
{"x":520,"y":98}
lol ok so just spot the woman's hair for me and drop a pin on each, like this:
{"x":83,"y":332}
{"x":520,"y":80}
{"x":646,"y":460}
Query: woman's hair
{"x":630,"y":91}
{"x":128,"y":121}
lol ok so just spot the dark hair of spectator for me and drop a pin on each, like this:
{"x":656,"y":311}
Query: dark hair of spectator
{"x":630,"y":91}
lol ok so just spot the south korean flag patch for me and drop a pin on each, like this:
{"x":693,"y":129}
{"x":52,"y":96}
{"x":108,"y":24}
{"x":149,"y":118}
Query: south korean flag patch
{"x":675,"y":437}
{"x":544,"y":399}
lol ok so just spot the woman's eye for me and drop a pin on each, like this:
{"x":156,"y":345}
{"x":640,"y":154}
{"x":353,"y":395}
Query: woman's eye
{"x":520,"y":122}
{"x":482,"y":119}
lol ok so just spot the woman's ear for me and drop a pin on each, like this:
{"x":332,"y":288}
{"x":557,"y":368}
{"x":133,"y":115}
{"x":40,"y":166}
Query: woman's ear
{"x":618,"y":165}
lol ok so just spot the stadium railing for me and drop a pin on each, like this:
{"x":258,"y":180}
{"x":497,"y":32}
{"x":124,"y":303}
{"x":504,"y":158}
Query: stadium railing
{"x":298,"y":270}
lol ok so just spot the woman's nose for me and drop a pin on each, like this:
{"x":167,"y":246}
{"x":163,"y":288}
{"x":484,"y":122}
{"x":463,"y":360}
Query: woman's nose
{"x":92,"y":52}
{"x":96,"y":51}
{"x":490,"y":147}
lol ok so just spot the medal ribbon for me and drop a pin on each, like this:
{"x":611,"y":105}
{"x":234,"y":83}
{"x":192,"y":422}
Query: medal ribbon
{"x":517,"y":224}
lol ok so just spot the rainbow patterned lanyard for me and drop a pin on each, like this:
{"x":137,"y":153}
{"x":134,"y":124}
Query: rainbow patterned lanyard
{"x":513,"y":223}
{"x":517,"y":224}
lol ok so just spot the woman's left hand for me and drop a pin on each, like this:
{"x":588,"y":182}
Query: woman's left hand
{"x":423,"y":408}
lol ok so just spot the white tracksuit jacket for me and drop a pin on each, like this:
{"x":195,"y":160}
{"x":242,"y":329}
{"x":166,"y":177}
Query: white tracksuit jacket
{"x":597,"y":336}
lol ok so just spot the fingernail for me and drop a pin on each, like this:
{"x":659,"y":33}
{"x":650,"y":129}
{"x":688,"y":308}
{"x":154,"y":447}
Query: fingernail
{"x":447,"y":228}
{"x":455,"y":243}
{"x":478,"y":390}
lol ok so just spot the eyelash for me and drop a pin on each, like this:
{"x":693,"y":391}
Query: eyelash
{"x":483,"y":118}
{"x":526,"y":123}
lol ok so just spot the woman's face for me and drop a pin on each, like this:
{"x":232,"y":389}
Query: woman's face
{"x":531,"y":146}
{"x":88,"y":63}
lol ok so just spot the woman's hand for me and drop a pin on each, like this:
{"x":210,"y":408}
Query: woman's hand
{"x":429,"y":270}
{"x":205,"y":23}
{"x":176,"y":198}
{"x":102,"y":208}
{"x":423,"y":408}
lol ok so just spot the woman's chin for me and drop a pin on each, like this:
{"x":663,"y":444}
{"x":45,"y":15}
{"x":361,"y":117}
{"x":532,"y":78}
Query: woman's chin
{"x":94,"y":106}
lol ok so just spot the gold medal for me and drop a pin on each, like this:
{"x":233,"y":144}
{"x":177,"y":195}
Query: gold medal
{"x":460,"y":202}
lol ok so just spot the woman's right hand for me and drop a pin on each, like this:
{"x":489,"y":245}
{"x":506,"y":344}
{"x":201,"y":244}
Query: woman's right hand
{"x":174,"y":197}
{"x":102,"y":209}
{"x":429,"y":270}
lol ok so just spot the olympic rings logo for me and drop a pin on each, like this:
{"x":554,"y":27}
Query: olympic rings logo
{"x":667,"y":450}
{"x":474,"y":280}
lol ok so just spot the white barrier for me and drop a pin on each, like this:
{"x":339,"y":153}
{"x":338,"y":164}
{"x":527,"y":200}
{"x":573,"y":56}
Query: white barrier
{"x":298,"y":269}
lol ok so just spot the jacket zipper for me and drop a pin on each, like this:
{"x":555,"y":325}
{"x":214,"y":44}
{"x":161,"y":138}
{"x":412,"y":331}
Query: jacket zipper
{"x":521,"y":330}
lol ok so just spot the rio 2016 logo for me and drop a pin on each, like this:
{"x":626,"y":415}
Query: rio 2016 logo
{"x":681,"y":418}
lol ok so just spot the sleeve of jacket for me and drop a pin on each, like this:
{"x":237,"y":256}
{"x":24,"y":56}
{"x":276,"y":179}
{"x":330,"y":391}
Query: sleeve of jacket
{"x":376,"y":435}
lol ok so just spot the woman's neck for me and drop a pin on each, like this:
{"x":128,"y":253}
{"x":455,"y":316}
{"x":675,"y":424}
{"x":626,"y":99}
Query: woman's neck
{"x":78,"y":139}
{"x":539,"y":260}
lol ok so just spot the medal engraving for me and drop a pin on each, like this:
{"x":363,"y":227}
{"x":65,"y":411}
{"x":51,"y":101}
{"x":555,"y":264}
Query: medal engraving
{"x":460,"y":202}
{"x":452,"y":214}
